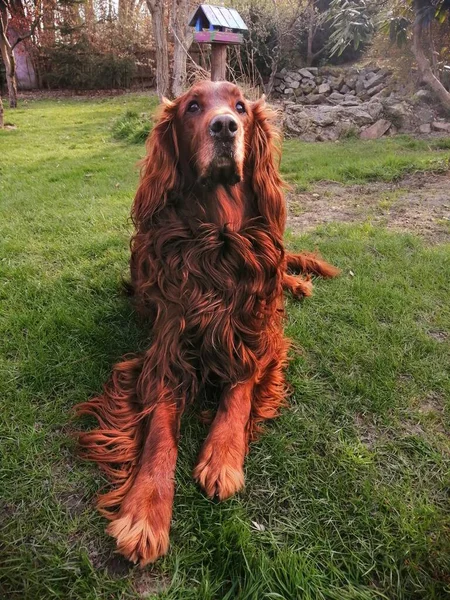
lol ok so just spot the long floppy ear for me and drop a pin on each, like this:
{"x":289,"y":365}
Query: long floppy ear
{"x":159,"y":174}
{"x":264,"y":162}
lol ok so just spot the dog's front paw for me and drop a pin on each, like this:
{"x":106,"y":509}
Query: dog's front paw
{"x":141,"y":527}
{"x":219,"y":469}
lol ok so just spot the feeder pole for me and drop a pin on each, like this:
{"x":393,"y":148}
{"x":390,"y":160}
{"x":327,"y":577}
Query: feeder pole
{"x":218,"y":62}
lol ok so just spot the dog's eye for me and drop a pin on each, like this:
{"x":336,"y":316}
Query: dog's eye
{"x":193,"y":106}
{"x":240,"y":107}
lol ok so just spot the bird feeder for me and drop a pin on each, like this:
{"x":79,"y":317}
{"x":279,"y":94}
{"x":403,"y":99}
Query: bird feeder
{"x":219,"y":27}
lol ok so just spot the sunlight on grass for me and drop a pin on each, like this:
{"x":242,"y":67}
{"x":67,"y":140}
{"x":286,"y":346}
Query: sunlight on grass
{"x":356,"y":161}
{"x":346,"y":495}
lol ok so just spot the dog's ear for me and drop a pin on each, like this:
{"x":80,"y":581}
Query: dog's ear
{"x":264,"y":163}
{"x":159,"y":174}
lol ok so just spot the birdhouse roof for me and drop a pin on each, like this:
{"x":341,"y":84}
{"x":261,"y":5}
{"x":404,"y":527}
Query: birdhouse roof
{"x":219,"y":16}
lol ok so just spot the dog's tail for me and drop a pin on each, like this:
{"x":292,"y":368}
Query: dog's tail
{"x":117,"y":443}
{"x":306,"y":262}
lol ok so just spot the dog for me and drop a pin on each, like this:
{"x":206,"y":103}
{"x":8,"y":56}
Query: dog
{"x":208,"y":268}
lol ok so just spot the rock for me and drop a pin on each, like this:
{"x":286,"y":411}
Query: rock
{"x":350,"y":81}
{"x":352,"y":102}
{"x":374,"y":81}
{"x":316,"y":99}
{"x":423,"y":114}
{"x":376,"y":90}
{"x":375,"y":109}
{"x":296,"y":108}
{"x":295,"y":85}
{"x":440,"y":126}
{"x":359,"y":87}
{"x":425,"y":128}
{"x":355,"y":114}
{"x":283,"y":71}
{"x":399,"y":114}
{"x":313,"y":70}
{"x":337,"y":82}
{"x":308,"y":86}
{"x":294,"y":76}
{"x":347,"y":129}
{"x":327,"y":135}
{"x":344,"y":89}
{"x":306,"y":73}
{"x":336,"y":98}
{"x":424,"y":96}
{"x":288,"y":90}
{"x":324,"y":88}
{"x":322,"y":118}
{"x":376,"y":130}
{"x":292,"y":126}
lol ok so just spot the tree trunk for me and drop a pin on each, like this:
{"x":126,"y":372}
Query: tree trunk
{"x":183,"y":37}
{"x":48,"y":22}
{"x":425,"y":69}
{"x":311,"y":31}
{"x":90,"y":19}
{"x":8,"y":61}
{"x":156,"y":8}
{"x":2,"y":123}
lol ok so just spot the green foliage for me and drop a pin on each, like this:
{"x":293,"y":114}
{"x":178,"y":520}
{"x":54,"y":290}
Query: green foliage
{"x":353,"y":23}
{"x":398,"y":30}
{"x":79,"y":65}
{"x":347,"y":492}
{"x":132,"y":127}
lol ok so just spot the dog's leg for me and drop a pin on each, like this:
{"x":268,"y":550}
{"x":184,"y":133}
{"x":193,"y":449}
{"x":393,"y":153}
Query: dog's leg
{"x":298,"y":286}
{"x":141,"y":527}
{"x":219,"y":468}
{"x":270,"y":391}
{"x":306,"y":262}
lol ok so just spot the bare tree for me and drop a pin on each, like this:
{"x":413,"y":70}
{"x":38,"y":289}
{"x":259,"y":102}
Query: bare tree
{"x":314,"y":20}
{"x":424,"y":65}
{"x":156,"y":8}
{"x":2,"y":123}
{"x":183,"y":37}
{"x":8,"y":56}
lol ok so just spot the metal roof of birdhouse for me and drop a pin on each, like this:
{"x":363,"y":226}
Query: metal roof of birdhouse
{"x":207,"y":16}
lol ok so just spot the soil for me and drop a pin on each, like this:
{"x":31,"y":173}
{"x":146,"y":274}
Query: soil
{"x":418,"y":203}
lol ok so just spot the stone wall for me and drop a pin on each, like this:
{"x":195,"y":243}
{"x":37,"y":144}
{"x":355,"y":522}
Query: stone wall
{"x":325,"y":104}
{"x":318,"y":86}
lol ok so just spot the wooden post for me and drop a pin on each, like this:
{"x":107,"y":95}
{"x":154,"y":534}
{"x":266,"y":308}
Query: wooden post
{"x":219,"y":27}
{"x":219,"y":62}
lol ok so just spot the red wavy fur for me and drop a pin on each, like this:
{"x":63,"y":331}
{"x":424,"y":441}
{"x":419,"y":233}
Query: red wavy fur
{"x":208,"y":268}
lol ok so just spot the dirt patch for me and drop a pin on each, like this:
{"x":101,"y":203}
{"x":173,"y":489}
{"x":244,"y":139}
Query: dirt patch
{"x":432,"y":404}
{"x":419,"y":203}
{"x":149,"y":584}
{"x":439,"y":335}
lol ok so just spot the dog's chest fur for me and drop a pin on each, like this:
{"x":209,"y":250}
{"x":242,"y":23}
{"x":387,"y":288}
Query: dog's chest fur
{"x":220,"y":286}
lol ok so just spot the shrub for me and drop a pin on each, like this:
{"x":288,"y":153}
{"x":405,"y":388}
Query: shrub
{"x":79,"y":65}
{"x":133,"y":127}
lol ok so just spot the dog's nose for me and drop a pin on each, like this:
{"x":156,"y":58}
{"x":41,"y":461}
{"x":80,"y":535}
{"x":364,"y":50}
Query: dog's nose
{"x":223,"y":127}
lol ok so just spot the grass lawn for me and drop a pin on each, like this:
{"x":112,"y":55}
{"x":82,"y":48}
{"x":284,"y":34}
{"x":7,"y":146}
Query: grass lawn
{"x":347,"y":492}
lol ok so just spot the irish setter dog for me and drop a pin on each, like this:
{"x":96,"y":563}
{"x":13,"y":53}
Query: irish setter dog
{"x":208,"y":270}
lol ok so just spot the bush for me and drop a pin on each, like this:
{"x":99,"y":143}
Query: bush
{"x":133,"y":127}
{"x":80,"y":66}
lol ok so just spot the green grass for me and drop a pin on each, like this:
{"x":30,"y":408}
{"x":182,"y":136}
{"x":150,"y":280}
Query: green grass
{"x":347,"y":492}
{"x":357,"y":161}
